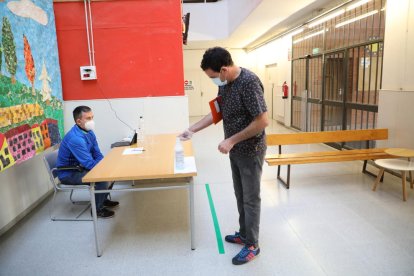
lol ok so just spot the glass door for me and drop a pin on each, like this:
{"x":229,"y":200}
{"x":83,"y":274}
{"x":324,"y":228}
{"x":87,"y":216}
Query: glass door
{"x":307,"y":93}
{"x":334,"y":92}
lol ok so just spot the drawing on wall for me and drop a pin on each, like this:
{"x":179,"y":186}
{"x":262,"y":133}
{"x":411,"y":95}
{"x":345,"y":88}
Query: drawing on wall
{"x":31,"y":105}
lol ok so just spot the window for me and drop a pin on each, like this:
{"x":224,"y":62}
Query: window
{"x":337,"y":69}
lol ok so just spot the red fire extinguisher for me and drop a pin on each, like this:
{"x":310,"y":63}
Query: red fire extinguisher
{"x":285,"y":90}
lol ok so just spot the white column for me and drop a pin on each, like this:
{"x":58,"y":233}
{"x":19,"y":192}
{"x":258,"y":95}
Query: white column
{"x":396,"y":98}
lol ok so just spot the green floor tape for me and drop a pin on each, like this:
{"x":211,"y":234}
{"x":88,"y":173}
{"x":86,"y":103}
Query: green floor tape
{"x":215,"y":221}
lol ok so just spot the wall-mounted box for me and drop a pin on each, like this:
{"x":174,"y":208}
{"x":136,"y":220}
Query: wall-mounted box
{"x":88,"y":72}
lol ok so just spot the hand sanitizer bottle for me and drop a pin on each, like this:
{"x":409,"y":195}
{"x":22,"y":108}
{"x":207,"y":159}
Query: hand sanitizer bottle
{"x":179,"y":154}
{"x":141,"y":130}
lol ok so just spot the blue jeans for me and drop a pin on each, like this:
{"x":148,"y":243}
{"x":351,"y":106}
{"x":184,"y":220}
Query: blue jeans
{"x":76,"y":179}
{"x":247,"y":172}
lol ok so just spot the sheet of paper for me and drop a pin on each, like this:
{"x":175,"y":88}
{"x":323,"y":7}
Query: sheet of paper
{"x":129,"y":151}
{"x":189,"y":165}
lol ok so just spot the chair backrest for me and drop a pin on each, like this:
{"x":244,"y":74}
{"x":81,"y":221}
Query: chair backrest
{"x":50,"y":159}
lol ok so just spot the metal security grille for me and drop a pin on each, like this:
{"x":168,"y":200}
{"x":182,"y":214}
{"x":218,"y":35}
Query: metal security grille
{"x":337,"y":71}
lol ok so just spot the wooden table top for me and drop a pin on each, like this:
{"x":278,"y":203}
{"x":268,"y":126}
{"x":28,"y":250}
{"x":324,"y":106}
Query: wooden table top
{"x":400,"y":152}
{"x":156,"y":162}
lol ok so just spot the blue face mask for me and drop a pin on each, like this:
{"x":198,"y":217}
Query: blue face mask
{"x":219,"y":82}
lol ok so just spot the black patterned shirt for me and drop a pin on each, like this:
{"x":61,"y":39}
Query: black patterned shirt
{"x":241,"y":102}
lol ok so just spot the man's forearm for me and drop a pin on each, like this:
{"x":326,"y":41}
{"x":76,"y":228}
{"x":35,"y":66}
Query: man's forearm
{"x":255,"y":127}
{"x":202,"y":124}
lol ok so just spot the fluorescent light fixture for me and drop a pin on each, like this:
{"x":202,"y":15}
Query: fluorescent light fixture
{"x":357,"y":4}
{"x":308,"y":36}
{"x":297,"y":40}
{"x":295,"y":32}
{"x":313,"y":34}
{"x":356,"y":18}
{"x":326,"y":18}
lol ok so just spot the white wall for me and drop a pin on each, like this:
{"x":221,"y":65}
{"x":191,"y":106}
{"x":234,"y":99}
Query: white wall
{"x":275,"y":52}
{"x":208,"y":21}
{"x":396,"y":98}
{"x":24,"y":186}
{"x":161,"y":115}
{"x":239,"y":10}
{"x":215,"y":21}
{"x":204,"y":89}
{"x":398,"y":48}
{"x":256,"y":61}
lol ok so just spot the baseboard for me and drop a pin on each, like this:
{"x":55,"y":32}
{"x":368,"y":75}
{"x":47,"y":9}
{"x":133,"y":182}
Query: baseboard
{"x":12,"y":223}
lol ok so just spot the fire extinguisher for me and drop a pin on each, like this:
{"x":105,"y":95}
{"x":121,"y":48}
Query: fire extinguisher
{"x":285,"y":90}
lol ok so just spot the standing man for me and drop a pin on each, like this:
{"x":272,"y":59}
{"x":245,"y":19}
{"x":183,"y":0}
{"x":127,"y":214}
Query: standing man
{"x":79,"y":148}
{"x":244,"y":112}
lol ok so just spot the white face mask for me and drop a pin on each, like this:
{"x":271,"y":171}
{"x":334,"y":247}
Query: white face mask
{"x":219,"y":82}
{"x":90,"y":125}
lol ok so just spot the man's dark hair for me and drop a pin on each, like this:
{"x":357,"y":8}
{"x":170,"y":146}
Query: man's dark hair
{"x":215,"y":58}
{"x":77,"y":112}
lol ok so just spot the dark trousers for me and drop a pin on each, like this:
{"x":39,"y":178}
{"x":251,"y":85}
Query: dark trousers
{"x":247,"y":172}
{"x":76,"y":179}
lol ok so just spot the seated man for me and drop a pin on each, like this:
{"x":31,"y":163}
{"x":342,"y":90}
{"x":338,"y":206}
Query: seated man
{"x":80,"y":148}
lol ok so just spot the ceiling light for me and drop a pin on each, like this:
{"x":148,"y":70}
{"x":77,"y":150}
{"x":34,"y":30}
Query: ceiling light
{"x":295,"y":32}
{"x":356,"y":18}
{"x":357,"y":4}
{"x":313,"y":34}
{"x":326,"y":18}
{"x":308,"y":36}
{"x":297,"y":40}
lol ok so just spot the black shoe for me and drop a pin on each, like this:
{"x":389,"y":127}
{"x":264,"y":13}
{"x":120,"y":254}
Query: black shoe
{"x":110,"y":204}
{"x":104,"y":213}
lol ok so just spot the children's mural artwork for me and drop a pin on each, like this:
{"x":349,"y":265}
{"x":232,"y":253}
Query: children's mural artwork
{"x":31,"y":105}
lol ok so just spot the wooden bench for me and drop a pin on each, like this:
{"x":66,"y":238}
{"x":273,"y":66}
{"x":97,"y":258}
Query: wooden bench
{"x":340,"y":136}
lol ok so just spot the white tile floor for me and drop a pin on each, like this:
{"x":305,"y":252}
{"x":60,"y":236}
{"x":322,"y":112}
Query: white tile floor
{"x":328,"y":223}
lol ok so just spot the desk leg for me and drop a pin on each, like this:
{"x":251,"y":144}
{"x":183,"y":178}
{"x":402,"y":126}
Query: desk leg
{"x":95,"y":219}
{"x":191,"y":203}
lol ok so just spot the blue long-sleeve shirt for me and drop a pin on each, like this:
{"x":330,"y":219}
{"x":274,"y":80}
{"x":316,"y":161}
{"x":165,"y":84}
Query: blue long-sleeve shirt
{"x":78,"y":147}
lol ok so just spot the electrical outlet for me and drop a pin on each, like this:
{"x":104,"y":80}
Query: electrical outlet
{"x":88,"y":72}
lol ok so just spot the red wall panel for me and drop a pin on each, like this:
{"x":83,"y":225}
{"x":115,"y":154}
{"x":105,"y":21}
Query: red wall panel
{"x":138,"y":49}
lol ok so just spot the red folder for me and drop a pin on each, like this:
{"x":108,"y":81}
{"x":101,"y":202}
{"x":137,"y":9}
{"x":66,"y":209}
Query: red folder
{"x":215,"y":109}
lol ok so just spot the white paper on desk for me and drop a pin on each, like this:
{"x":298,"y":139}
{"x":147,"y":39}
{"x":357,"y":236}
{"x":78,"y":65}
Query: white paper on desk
{"x":189,"y":165}
{"x":129,"y":151}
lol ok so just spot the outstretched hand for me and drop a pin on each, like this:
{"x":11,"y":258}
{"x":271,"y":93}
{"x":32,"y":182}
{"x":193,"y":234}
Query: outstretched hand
{"x":186,"y":135}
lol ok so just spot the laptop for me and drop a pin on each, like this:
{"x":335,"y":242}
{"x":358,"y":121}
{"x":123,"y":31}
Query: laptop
{"x":126,"y":143}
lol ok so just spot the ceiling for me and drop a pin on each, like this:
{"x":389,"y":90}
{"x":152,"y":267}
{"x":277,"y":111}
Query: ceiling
{"x":269,"y":19}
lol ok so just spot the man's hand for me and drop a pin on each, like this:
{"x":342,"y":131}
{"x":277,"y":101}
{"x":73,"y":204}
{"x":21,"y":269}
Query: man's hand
{"x":225,"y":146}
{"x":186,"y":135}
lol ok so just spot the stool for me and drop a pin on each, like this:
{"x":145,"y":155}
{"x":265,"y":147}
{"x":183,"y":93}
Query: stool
{"x":397,"y":165}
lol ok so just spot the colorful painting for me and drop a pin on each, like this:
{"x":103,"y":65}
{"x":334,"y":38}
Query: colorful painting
{"x":6,"y":159}
{"x":31,"y":105}
{"x":37,"y":138}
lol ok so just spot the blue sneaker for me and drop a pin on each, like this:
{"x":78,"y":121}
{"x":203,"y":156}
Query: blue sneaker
{"x":236,"y":238}
{"x":247,"y":254}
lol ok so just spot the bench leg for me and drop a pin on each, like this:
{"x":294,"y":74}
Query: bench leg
{"x":287,"y":182}
{"x":379,"y":177}
{"x":364,"y":170}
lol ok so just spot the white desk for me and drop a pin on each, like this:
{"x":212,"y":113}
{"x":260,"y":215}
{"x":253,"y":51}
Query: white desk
{"x":155,"y":164}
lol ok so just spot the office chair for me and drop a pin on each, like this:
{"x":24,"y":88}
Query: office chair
{"x":50,"y":159}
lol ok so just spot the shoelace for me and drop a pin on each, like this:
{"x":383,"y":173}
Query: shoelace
{"x":244,"y":252}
